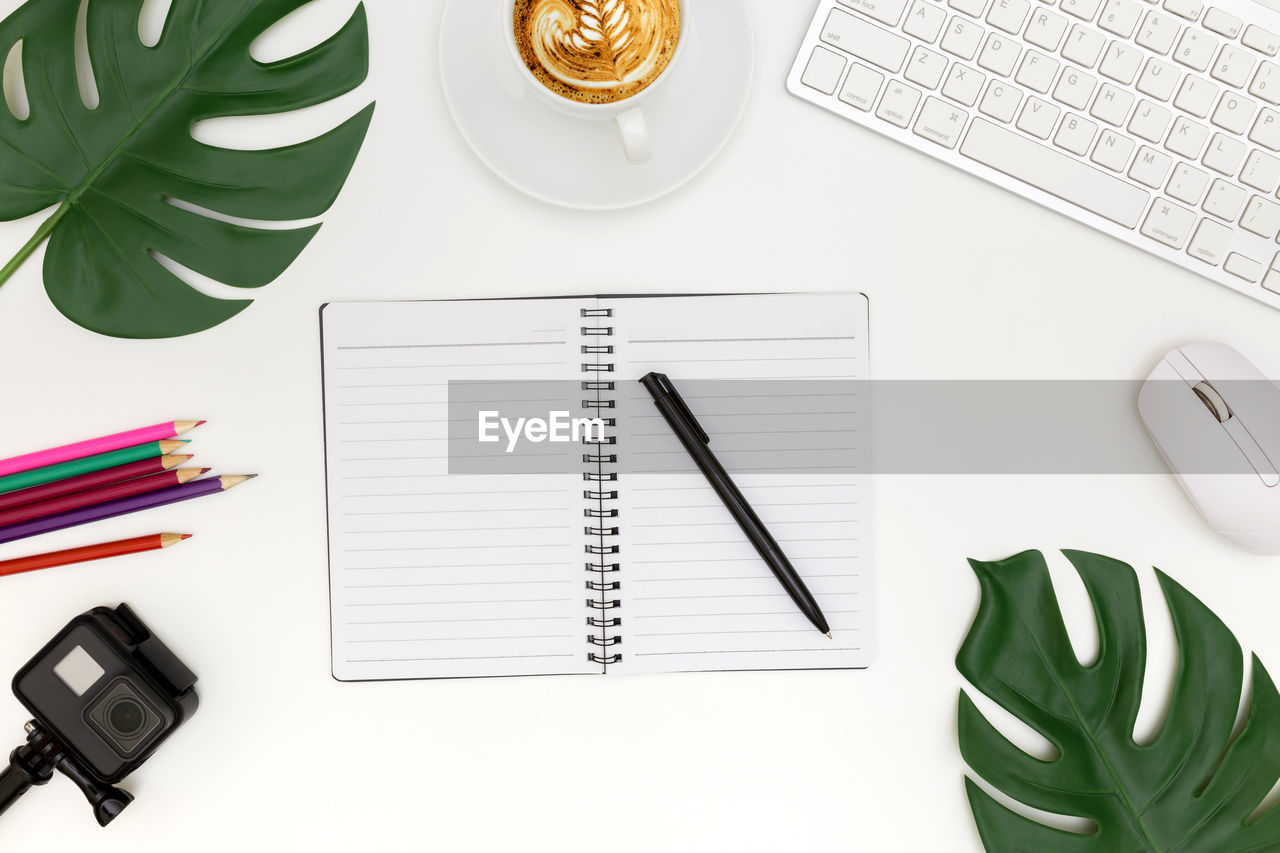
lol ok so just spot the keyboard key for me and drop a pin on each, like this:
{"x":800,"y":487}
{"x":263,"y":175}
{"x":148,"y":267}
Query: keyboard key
{"x":1187,"y":183}
{"x":1242,"y":267}
{"x":999,"y":55}
{"x":1150,"y":167}
{"x":1263,"y":41}
{"x":926,"y":68}
{"x":1196,"y":96}
{"x":1195,"y":48}
{"x":973,"y":8}
{"x":1082,"y":9}
{"x":924,"y":21}
{"x":1038,"y":118}
{"x":1001,"y":101}
{"x":962,"y":37}
{"x":1075,"y":134}
{"x":1262,"y":217}
{"x":1119,"y":17}
{"x":865,"y":40}
{"x":1150,"y":121}
{"x":823,"y":71}
{"x":1224,"y":154}
{"x":884,"y":11}
{"x":1232,"y":66}
{"x":1266,"y":83}
{"x":1121,"y":62}
{"x":1234,"y":113}
{"x":1224,"y":200}
{"x":1158,"y":79}
{"x":1074,"y":88}
{"x":1158,"y":32}
{"x":940,"y":122}
{"x":1112,"y":151}
{"x":861,"y":87}
{"x":1169,"y":224}
{"x":1222,"y":23}
{"x":1187,"y":138}
{"x":963,"y":84}
{"x":1037,"y":71}
{"x":1008,"y":15}
{"x":1261,"y":171}
{"x":1189,"y":9}
{"x":1045,"y":29}
{"x":1266,"y":130}
{"x":1210,"y":242}
{"x":898,"y":103}
{"x":1272,"y":281}
{"x":1084,"y":46}
{"x":1057,"y":174}
{"x":1112,"y":104}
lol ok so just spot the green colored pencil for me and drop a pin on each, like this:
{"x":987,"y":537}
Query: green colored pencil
{"x":87,"y":465}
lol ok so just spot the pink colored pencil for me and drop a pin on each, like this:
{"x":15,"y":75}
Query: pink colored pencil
{"x":94,"y":446}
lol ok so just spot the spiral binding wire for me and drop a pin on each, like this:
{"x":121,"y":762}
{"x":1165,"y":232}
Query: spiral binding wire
{"x":601,"y":564}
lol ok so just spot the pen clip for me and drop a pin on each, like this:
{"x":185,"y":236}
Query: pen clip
{"x":662,"y":384}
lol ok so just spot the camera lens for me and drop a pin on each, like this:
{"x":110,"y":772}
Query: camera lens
{"x":126,"y":717}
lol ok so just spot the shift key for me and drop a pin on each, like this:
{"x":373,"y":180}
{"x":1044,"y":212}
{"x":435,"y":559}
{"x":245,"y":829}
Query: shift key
{"x":865,"y":40}
{"x":1054,"y":173}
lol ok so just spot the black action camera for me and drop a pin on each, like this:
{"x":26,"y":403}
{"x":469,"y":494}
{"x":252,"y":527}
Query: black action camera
{"x":105,"y":693}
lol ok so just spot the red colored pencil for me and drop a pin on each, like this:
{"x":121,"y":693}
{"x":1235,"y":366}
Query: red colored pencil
{"x":84,"y":482}
{"x":91,"y":552}
{"x":80,"y":500}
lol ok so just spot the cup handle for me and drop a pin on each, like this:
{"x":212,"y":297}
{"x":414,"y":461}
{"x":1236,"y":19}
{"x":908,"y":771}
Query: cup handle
{"x":635,"y":137}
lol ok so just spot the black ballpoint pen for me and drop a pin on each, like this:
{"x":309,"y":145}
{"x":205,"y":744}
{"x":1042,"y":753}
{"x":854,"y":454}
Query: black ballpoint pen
{"x":695,"y":441}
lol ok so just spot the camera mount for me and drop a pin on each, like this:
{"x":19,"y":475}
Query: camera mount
{"x":33,"y":763}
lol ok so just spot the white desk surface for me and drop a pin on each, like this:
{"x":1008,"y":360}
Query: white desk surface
{"x":965,"y":280}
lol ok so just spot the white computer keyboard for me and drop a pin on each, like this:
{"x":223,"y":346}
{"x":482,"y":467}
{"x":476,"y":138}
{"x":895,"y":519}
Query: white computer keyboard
{"x":1156,"y":121}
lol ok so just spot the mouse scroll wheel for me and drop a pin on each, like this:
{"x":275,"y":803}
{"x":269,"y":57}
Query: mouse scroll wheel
{"x":1213,"y":401}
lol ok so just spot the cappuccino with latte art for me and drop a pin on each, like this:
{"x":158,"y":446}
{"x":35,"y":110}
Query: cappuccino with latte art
{"x":596,"y":51}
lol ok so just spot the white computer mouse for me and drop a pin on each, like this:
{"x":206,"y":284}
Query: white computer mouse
{"x":1216,"y":420}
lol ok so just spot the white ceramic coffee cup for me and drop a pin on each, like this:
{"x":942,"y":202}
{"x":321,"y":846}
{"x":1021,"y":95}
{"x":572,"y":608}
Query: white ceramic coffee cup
{"x":626,"y":113}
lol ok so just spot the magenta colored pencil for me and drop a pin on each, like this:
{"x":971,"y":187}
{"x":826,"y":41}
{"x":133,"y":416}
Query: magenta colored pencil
{"x":94,"y":446}
{"x":124,"y":506}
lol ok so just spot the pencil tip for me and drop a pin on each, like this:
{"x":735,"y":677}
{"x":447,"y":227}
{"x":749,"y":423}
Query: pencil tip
{"x":201,"y":423}
{"x":231,"y":480}
{"x":185,"y":536}
{"x":204,"y":471}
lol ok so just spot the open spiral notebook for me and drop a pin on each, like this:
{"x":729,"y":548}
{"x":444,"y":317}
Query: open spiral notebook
{"x":629,"y":563}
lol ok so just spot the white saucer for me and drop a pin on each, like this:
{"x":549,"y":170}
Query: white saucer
{"x":579,"y":163}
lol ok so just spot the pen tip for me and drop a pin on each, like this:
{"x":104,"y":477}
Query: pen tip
{"x":829,"y":637}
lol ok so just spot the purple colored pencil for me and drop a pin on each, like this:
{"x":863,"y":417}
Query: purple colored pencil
{"x":123,"y":506}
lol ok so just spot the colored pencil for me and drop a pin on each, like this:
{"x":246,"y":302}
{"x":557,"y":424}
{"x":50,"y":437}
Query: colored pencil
{"x":91,"y":552}
{"x":89,"y":464}
{"x":115,"y":491}
{"x":95,"y":446}
{"x":105,"y":477}
{"x":124,"y":506}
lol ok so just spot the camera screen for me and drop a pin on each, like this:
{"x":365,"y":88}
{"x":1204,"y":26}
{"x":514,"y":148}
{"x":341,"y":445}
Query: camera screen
{"x":79,"y":671}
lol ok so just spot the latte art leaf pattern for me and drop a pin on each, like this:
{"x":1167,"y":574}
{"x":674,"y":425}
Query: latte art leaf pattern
{"x":597,"y":51}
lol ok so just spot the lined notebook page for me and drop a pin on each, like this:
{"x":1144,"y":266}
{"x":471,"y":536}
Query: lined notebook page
{"x":696,"y":596}
{"x":435,"y":575}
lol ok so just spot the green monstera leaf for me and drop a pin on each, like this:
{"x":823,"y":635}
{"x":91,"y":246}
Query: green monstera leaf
{"x":1193,"y":789}
{"x":114,"y":172}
